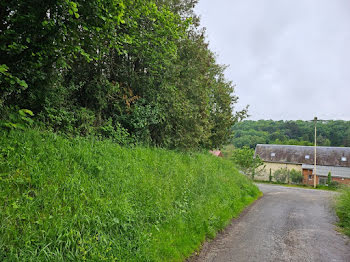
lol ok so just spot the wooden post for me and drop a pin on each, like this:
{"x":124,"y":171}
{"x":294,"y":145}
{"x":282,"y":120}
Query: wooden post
{"x":315,"y":120}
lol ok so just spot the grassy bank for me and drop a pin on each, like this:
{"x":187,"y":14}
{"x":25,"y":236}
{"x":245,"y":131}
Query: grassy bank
{"x":343,"y":210}
{"x":78,"y":199}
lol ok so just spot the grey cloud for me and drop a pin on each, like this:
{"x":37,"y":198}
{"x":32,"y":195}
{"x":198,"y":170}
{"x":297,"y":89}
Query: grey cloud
{"x":289,"y":59}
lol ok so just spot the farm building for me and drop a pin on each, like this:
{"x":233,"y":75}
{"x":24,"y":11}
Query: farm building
{"x":301,"y":158}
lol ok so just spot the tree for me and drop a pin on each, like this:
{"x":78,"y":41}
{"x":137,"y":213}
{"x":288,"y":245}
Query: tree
{"x":123,"y":68}
{"x":329,"y":179}
{"x":246,"y":161}
{"x":330,"y":133}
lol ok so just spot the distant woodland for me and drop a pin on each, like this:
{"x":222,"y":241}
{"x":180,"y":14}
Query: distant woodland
{"x":329,"y":133}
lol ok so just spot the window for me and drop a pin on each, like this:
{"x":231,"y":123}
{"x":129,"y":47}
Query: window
{"x":323,"y":180}
{"x":273,"y":154}
{"x":310,"y":177}
{"x":307,"y":156}
{"x":343,"y":158}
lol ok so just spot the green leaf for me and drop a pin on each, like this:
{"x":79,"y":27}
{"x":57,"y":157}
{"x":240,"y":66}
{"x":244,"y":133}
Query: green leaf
{"x":3,"y":68}
{"x":27,"y":111}
{"x":14,"y":205}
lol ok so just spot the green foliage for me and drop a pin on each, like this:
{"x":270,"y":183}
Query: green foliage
{"x":333,"y":185}
{"x":16,"y":118}
{"x":228,"y":151}
{"x":296,"y":176}
{"x":343,"y":210}
{"x":140,"y":67}
{"x":330,"y":133}
{"x":246,"y":161}
{"x":329,"y":178}
{"x":80,"y":199}
{"x":281,"y":175}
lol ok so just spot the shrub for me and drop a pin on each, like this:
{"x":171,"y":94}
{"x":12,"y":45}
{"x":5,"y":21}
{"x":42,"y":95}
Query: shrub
{"x":329,"y":178}
{"x":296,"y":176}
{"x":15,"y":118}
{"x":281,"y":175}
{"x":333,"y":184}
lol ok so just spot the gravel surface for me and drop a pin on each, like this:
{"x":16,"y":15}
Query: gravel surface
{"x":286,"y":224}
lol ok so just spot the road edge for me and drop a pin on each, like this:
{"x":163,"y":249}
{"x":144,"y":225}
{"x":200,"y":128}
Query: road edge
{"x":208,"y":243}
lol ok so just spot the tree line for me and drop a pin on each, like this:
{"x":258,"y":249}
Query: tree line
{"x":329,"y":133}
{"x":130,"y":70}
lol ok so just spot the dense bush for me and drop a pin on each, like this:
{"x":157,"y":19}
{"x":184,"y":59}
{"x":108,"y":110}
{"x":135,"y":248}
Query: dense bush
{"x":343,"y":210}
{"x":81,"y":199}
{"x":333,"y":185}
{"x":281,"y":175}
{"x":296,"y":176}
{"x":124,"y":69}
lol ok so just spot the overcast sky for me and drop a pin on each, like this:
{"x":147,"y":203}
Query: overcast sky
{"x":288,"y":59}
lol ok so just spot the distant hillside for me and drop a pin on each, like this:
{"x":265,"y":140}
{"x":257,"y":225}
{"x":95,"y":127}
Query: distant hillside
{"x":329,"y":133}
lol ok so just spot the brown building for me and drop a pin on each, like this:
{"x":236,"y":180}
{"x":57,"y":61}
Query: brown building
{"x":301,"y":158}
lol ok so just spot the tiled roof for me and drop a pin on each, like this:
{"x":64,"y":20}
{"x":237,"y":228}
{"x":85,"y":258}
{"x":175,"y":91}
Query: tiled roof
{"x":326,"y":156}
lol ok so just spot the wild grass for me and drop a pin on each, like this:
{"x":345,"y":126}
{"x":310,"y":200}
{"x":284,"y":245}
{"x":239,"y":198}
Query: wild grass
{"x":320,"y":187}
{"x":343,"y":210}
{"x":86,"y":200}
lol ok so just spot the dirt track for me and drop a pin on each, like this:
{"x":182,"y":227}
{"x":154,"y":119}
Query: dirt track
{"x":286,"y":224}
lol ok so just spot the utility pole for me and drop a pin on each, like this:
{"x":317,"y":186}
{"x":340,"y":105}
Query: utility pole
{"x":315,"y":122}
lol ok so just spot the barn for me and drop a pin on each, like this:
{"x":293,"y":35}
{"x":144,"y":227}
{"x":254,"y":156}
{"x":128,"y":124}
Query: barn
{"x":301,"y":158}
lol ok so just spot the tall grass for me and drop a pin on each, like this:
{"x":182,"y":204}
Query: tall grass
{"x":343,"y":210}
{"x":79,"y":199}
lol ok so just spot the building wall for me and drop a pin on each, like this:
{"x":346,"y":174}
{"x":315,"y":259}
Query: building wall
{"x":264,"y":172}
{"x":308,"y":177}
{"x":340,"y":180}
{"x":307,"y":181}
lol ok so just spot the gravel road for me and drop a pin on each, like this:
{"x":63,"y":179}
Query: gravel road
{"x":286,"y":224}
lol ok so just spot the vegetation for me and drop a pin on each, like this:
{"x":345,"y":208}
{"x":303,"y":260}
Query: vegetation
{"x":76,"y":199}
{"x":330,"y":133}
{"x":130,"y":70}
{"x":343,"y":210}
{"x":281,"y":175}
{"x":284,"y":175}
{"x":296,"y":176}
{"x":320,"y":187}
{"x":245,"y":160}
{"x":94,"y":76}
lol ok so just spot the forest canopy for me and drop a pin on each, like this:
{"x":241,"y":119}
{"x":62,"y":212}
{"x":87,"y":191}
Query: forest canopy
{"x":329,"y":133}
{"x":131,"y":70}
